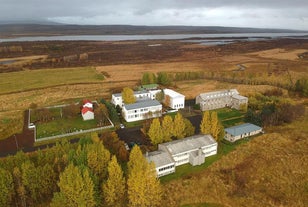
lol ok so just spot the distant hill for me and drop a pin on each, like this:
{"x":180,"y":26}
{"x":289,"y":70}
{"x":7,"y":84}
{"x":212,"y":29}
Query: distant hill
{"x":7,"y":30}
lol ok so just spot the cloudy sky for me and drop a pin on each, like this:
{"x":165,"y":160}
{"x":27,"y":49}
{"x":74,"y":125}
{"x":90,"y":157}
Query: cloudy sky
{"x":288,"y":14}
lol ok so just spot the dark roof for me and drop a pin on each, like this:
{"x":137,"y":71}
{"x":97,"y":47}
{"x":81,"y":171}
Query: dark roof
{"x":142,"y":104}
{"x":242,"y":129}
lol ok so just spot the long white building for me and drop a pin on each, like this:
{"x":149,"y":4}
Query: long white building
{"x":191,"y":150}
{"x":221,"y":99}
{"x":177,"y":100}
{"x":141,"y":110}
{"x":235,"y":133}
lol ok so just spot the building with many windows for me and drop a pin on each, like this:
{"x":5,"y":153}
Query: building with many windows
{"x":141,"y":110}
{"x":221,"y":99}
{"x":176,"y":100}
{"x":191,"y":150}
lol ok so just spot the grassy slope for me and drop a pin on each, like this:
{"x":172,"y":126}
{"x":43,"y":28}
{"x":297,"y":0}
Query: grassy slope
{"x":270,"y":170}
{"x":34,"y":79}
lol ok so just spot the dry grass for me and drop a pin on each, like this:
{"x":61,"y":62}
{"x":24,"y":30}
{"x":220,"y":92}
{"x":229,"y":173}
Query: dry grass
{"x":270,"y":170}
{"x":279,"y":53}
{"x":33,"y":79}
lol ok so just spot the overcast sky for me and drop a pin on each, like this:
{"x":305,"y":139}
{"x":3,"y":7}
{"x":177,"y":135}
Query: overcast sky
{"x":287,"y":14}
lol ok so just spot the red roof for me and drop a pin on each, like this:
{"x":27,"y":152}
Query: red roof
{"x":86,"y":101}
{"x":86,"y":109}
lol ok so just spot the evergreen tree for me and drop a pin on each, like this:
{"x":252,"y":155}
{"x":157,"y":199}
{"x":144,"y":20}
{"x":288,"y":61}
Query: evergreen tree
{"x":76,"y":189}
{"x":179,"y":126}
{"x":167,"y":128}
{"x":143,"y":186}
{"x":128,"y":96}
{"x":6,"y":188}
{"x":205,"y":126}
{"x":114,"y":188}
{"x":155,"y":132}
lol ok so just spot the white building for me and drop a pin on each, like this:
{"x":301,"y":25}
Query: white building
{"x":141,"y":110}
{"x":235,"y":133}
{"x":221,"y":99}
{"x":164,"y":163}
{"x":116,"y":99}
{"x":87,"y":113}
{"x":177,"y":100}
{"x":191,"y":150}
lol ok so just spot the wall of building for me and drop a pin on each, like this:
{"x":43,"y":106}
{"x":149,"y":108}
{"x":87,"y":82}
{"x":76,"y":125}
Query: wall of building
{"x":165,"y":170}
{"x":142,"y":113}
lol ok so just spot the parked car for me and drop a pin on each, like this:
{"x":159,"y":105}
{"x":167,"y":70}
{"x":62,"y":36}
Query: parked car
{"x":122,"y":126}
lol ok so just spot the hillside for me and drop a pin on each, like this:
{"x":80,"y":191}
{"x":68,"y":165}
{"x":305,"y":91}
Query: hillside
{"x":10,"y":30}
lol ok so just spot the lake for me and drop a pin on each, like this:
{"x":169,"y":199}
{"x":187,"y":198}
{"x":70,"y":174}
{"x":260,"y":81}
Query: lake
{"x":149,"y":37}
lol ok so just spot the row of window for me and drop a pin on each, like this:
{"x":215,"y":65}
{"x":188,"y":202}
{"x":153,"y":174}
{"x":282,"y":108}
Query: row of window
{"x":166,"y":168}
{"x":178,"y":105}
{"x":220,"y":95}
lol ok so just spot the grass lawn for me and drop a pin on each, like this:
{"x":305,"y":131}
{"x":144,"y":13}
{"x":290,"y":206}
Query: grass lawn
{"x":33,"y":79}
{"x":181,"y":171}
{"x":63,"y":126}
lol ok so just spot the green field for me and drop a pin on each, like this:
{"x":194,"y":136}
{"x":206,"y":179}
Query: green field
{"x":230,"y":117}
{"x":34,"y":79}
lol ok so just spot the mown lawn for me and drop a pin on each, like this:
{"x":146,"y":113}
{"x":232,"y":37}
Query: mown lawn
{"x":33,"y":79}
{"x":230,"y":117}
{"x":63,"y":126}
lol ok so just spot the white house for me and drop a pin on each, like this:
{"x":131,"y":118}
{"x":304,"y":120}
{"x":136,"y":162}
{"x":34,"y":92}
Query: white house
{"x":87,"y":113}
{"x":116,"y":99}
{"x":191,"y":150}
{"x":164,"y":163}
{"x":235,"y":133}
{"x":221,"y":99}
{"x":87,"y":103}
{"x":177,"y":100}
{"x":141,"y":110}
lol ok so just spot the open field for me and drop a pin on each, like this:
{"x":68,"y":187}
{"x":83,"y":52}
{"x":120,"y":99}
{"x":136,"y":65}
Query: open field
{"x":35,"y":79}
{"x":122,"y":64}
{"x":270,"y":170}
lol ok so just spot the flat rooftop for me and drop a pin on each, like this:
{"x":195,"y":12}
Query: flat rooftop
{"x":189,"y":143}
{"x":142,"y":104}
{"x":172,"y":93}
{"x":160,"y":158}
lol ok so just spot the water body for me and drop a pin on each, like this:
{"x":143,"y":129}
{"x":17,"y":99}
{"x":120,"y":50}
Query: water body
{"x":7,"y":62}
{"x":149,"y":37}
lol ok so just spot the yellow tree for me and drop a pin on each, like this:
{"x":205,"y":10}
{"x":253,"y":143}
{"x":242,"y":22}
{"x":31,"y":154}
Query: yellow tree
{"x":179,"y":126}
{"x":205,"y":126}
{"x":76,"y":188}
{"x":143,"y":186}
{"x":128,"y":96}
{"x":189,"y":128}
{"x":155,"y":132}
{"x":98,"y":158}
{"x":6,"y":188}
{"x":114,"y":187}
{"x":167,"y":128}
{"x":217,"y":130}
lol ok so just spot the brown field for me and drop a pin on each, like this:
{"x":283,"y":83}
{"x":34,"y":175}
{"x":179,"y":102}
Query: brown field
{"x":123,"y":63}
{"x":270,"y":170}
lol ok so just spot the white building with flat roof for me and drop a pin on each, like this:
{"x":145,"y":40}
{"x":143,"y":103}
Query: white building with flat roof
{"x":177,"y":100}
{"x":235,"y":133}
{"x":220,"y":99}
{"x":191,"y":150}
{"x":141,"y":110}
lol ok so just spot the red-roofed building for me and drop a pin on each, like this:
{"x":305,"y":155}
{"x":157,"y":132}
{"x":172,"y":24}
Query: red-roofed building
{"x":87,"y":104}
{"x":87,"y":113}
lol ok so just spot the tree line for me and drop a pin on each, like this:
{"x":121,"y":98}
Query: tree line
{"x":167,"y":128}
{"x":82,"y":174}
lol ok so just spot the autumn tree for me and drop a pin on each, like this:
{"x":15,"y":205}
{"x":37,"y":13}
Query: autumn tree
{"x":6,"y":188}
{"x":160,"y":96}
{"x":128,"y":96}
{"x":97,"y":158}
{"x":155,"y":132}
{"x":205,"y":126}
{"x":167,"y":128}
{"x":167,"y":100}
{"x":179,"y":126}
{"x":114,"y":187}
{"x":148,"y":78}
{"x":76,"y":189}
{"x":217,"y":130}
{"x":163,"y":78}
{"x":189,"y":128}
{"x":143,"y":186}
